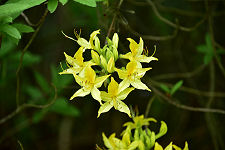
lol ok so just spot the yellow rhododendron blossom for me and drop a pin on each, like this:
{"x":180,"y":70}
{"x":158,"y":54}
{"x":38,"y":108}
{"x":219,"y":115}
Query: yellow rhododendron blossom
{"x":132,"y":75}
{"x":76,"y":63}
{"x":89,"y":84}
{"x":87,"y":44}
{"x":113,"y":143}
{"x":136,"y":52}
{"x":114,"y":98}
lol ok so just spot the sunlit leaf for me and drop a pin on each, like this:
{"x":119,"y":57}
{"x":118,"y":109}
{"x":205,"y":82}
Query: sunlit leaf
{"x":22,"y":28}
{"x":52,"y":5}
{"x":91,"y":3}
{"x":10,"y":30}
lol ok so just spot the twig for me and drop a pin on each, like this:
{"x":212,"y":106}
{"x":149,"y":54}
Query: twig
{"x":168,"y":22}
{"x":151,"y":37}
{"x":180,"y":75}
{"x":191,"y":90}
{"x":22,"y":55}
{"x":24,"y":106}
{"x":185,"y":107}
{"x":27,"y":19}
{"x":149,"y":106}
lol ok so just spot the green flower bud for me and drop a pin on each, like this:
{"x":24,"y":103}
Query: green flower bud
{"x":111,"y":65}
{"x":97,"y":44}
{"x":108,"y":54}
{"x":115,"y":53}
{"x":103,"y":50}
{"x":115,"y":40}
{"x":84,"y":43}
{"x":103,"y":62}
{"x":152,"y":139}
{"x":95,"y":57}
{"x":109,"y":41}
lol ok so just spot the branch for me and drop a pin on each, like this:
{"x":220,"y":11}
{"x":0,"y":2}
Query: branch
{"x":185,"y":107}
{"x":24,"y":106}
{"x":191,"y":90}
{"x":180,"y":75}
{"x":22,"y":55}
{"x":168,"y":22}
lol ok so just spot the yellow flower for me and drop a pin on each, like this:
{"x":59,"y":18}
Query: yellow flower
{"x":114,"y":98}
{"x":136,"y":52}
{"x":170,"y":147}
{"x":89,"y":84}
{"x":84,"y":43}
{"x":76,"y":63}
{"x":132,"y":75}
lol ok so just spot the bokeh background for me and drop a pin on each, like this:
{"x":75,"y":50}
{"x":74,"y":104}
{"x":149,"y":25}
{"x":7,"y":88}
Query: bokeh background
{"x":189,"y":36}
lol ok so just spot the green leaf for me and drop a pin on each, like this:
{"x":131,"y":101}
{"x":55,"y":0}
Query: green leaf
{"x":23,"y":28}
{"x":91,"y":3}
{"x":6,"y":19}
{"x":60,"y":81}
{"x":176,"y":87}
{"x":33,"y":92}
{"x":42,"y":82}
{"x":62,"y":107}
{"x":16,"y":6}
{"x":162,"y":130}
{"x":28,"y":58}
{"x":164,"y":88}
{"x":52,"y":5}
{"x":63,"y":2}
{"x":6,"y":47}
{"x":38,"y":116}
{"x":10,"y":30}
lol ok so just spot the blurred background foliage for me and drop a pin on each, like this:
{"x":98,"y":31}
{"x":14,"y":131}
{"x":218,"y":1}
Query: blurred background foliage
{"x":187,"y":82}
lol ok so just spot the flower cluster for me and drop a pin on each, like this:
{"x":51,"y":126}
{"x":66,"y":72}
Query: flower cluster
{"x":91,"y":78}
{"x":138,"y":136}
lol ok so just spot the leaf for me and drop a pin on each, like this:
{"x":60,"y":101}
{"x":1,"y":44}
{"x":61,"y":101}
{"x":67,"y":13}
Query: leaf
{"x":62,"y":107}
{"x":52,"y":5}
{"x":38,"y":116}
{"x":63,"y":2}
{"x":164,"y":88}
{"x":6,"y":19}
{"x":33,"y":92}
{"x":42,"y":82}
{"x":91,"y":3}
{"x":22,"y":28}
{"x":12,"y":7}
{"x":176,"y":87}
{"x":162,"y":130}
{"x":6,"y":47}
{"x":10,"y":30}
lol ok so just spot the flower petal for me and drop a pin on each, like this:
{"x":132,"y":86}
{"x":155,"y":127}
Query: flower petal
{"x":70,"y":60}
{"x":133,"y":46}
{"x":80,"y":93}
{"x":158,"y":147}
{"x":141,"y":72}
{"x":139,"y":85}
{"x":99,"y":80}
{"x":122,"y":107}
{"x":79,"y":80}
{"x":140,"y":47}
{"x":70,"y":70}
{"x":127,"y":56}
{"x":92,"y":37}
{"x":124,"y":84}
{"x":96,"y":94}
{"x":105,"y":96}
{"x":143,"y":58}
{"x":105,"y":107}
{"x":79,"y":56}
{"x":122,"y":73}
{"x":89,"y":74}
{"x":84,"y":43}
{"x":113,"y":88}
{"x":124,"y":93}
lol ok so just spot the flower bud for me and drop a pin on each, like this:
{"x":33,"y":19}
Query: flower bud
{"x":115,"y":53}
{"x":111,"y":65}
{"x":97,"y":44}
{"x":115,"y":40}
{"x":95,"y":57}
{"x":109,"y":54}
{"x":103,"y":62}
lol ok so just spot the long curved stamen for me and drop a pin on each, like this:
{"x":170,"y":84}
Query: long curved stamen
{"x":154,"y":51}
{"x":67,"y":36}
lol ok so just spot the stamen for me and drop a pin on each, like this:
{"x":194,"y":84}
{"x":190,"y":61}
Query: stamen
{"x":154,"y":50}
{"x":61,"y":66}
{"x":67,"y":36}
